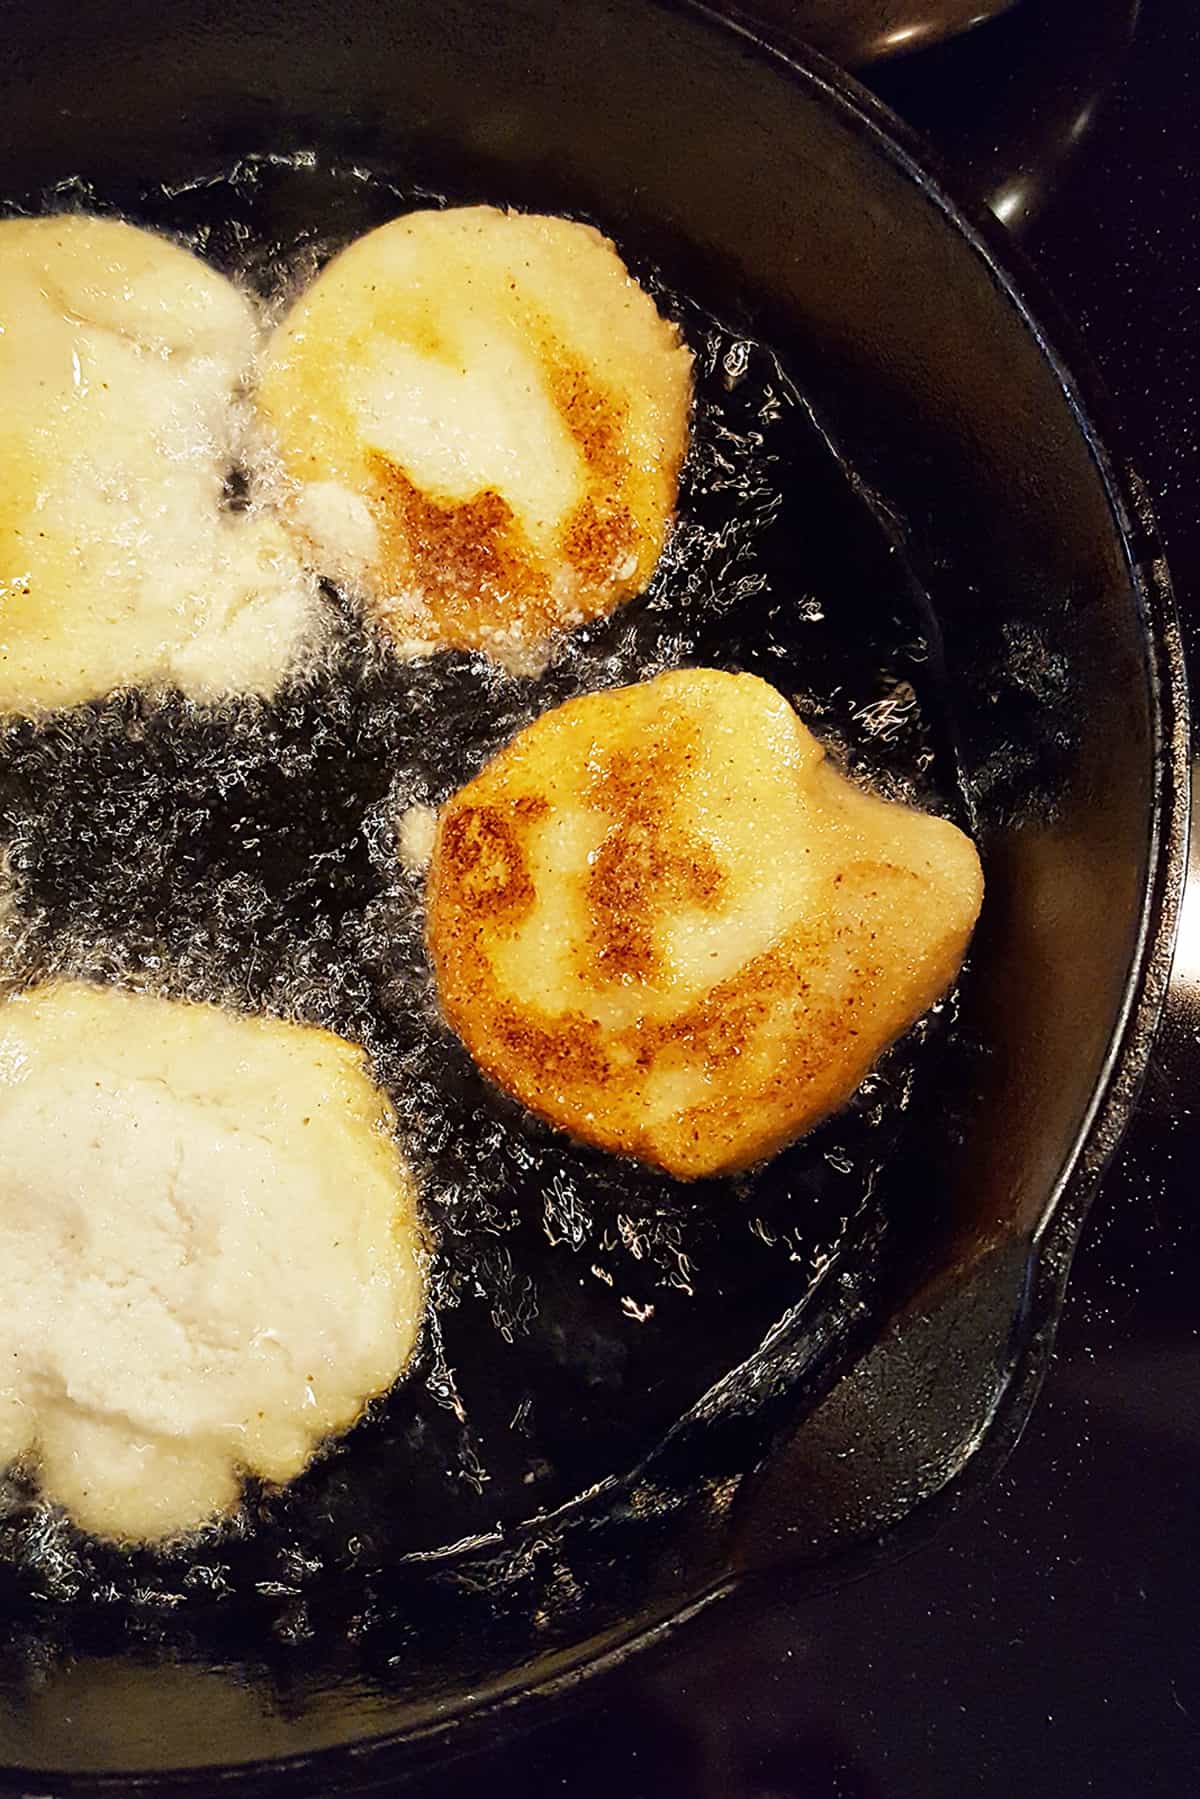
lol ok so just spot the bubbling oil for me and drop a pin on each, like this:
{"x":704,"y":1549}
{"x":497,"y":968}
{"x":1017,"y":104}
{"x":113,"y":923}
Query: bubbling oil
{"x":250,"y":853}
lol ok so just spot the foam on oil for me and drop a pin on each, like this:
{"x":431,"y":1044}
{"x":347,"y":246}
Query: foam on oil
{"x":262,"y":854}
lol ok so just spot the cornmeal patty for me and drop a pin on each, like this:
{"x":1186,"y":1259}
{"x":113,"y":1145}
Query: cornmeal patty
{"x":662,"y":920}
{"x":486,"y":417}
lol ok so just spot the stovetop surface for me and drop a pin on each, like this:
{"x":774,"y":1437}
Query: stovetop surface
{"x":1046,"y":1642}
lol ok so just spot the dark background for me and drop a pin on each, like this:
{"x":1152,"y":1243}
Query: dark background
{"x":1048,"y":1641}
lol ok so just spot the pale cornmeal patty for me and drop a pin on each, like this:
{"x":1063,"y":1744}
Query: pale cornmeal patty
{"x":210,"y":1257}
{"x":122,"y":357}
{"x":666,"y":923}
{"x":486,"y":416}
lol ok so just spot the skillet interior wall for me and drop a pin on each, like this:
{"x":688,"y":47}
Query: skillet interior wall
{"x":751,"y":193}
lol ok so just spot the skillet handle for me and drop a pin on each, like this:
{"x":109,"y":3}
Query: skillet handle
{"x":922,"y":1419}
{"x":1173,"y":1077}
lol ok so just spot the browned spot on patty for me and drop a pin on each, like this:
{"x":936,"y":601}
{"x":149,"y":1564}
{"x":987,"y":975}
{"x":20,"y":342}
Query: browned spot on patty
{"x":637,"y":874}
{"x":482,"y":863}
{"x":598,"y":539}
{"x":601,"y":532}
{"x":567,"y":1050}
{"x":467,"y":558}
{"x":647,"y":865}
{"x":593,"y":415}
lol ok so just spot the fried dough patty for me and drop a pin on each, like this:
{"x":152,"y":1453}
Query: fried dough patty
{"x":486,"y":415}
{"x":121,"y":357}
{"x":665,"y":922}
{"x":210,"y":1257}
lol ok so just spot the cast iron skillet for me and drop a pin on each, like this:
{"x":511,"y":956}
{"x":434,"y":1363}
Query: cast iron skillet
{"x":941,"y":529}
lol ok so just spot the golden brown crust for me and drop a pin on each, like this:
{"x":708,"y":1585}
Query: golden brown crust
{"x":646,"y":860}
{"x":483,"y":864}
{"x":576,"y":976}
{"x":468,"y":559}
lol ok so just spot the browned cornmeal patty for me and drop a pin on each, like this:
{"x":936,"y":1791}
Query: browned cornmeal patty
{"x":665,"y":922}
{"x":485,"y":416}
